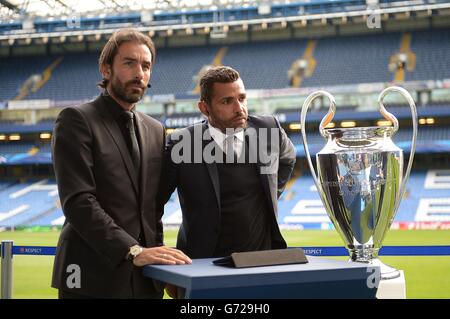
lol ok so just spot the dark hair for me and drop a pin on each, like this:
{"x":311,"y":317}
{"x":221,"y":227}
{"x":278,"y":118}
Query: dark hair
{"x":221,"y":74}
{"x":115,"y":41}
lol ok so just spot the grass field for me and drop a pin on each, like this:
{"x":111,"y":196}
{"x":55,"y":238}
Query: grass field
{"x":426,"y":277}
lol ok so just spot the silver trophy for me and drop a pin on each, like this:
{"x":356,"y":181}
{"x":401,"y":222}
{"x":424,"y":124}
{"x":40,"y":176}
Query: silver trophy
{"x":360,"y":178}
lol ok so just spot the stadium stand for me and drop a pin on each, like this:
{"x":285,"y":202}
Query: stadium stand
{"x":318,"y":58}
{"x":426,"y":200}
{"x":35,"y":203}
{"x":74,"y":78}
{"x":23,"y":203}
{"x":425,"y":134}
{"x":432,"y":60}
{"x":429,"y":140}
{"x":263,"y":65}
{"x":194,"y":15}
{"x":14,"y":71}
{"x":176,"y":67}
{"x":201,"y":14}
{"x":15,"y":148}
{"x":353,"y":59}
{"x":300,"y":205}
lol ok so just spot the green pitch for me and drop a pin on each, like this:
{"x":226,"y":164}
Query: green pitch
{"x":426,"y":277}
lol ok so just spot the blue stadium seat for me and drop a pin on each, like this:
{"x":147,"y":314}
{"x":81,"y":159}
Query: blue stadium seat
{"x":42,"y":208}
{"x":432,"y":58}
{"x":24,"y":203}
{"x":263,"y":65}
{"x":353,"y":59}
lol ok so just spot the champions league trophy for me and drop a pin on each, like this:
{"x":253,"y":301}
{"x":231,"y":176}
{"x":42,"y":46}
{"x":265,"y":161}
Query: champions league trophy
{"x":360,"y":179}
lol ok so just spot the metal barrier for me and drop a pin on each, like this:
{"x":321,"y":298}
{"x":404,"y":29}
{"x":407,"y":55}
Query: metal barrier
{"x":8,"y":250}
{"x":7,"y":268}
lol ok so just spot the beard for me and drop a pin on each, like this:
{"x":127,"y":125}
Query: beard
{"x":125,"y":91}
{"x":237,"y":123}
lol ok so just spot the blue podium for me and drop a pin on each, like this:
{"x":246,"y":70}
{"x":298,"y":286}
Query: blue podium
{"x":320,"y":278}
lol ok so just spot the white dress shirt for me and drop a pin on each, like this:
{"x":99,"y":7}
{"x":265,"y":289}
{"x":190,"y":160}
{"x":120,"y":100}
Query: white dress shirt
{"x":220,"y":139}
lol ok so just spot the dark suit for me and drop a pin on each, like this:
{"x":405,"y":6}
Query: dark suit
{"x":199,"y":190}
{"x":108,"y":206}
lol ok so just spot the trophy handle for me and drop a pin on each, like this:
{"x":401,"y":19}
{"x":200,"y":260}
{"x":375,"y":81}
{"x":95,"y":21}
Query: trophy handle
{"x":394,"y":120}
{"x":325,"y":121}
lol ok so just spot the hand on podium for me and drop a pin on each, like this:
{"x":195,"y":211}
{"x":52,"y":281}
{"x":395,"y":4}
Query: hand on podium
{"x":161,"y":255}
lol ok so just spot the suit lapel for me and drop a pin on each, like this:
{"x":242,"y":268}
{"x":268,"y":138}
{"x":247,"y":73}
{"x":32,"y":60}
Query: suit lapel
{"x":211,"y":167}
{"x":253,"y":149}
{"x":114,"y":130}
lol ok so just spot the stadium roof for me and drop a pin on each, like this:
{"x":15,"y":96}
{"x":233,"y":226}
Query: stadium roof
{"x":16,"y":9}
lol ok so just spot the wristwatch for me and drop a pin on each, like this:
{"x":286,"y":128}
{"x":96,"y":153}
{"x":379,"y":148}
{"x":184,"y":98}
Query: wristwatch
{"x":134,"y":252}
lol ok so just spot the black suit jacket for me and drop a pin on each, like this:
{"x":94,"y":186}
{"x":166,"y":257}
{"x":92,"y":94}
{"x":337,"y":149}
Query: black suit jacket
{"x":199,"y":193}
{"x":104,"y":201}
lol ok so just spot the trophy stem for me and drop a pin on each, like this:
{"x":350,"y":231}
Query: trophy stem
{"x":362,"y":254}
{"x":370,"y":256}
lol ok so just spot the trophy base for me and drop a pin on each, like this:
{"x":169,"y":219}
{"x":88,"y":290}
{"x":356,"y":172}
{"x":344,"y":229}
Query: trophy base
{"x":386,"y":272}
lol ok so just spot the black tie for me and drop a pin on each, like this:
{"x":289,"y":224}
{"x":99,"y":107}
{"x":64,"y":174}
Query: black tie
{"x":135,"y":154}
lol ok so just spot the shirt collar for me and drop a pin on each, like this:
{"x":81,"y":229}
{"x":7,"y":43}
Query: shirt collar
{"x":219,"y":137}
{"x":116,"y":110}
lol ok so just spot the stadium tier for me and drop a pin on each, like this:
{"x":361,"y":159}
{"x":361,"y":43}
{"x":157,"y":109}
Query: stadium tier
{"x":330,"y":61}
{"x":339,"y":60}
{"x":429,"y":140}
{"x":432,"y":59}
{"x":426,"y":204}
{"x":196,"y":14}
{"x":285,"y":51}
{"x":26,"y":203}
{"x":265,"y":65}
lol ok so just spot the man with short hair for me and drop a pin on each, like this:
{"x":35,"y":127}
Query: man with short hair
{"x":107,"y":158}
{"x":228,"y":205}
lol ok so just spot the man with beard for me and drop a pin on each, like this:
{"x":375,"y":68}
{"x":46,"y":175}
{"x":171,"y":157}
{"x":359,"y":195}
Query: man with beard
{"x":229,"y":198}
{"x":107,"y":158}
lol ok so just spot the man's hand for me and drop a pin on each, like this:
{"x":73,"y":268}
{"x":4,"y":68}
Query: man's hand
{"x":161,"y":255}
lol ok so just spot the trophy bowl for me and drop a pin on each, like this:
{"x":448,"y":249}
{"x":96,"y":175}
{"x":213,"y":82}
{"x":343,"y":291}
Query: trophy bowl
{"x":360,"y":179}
